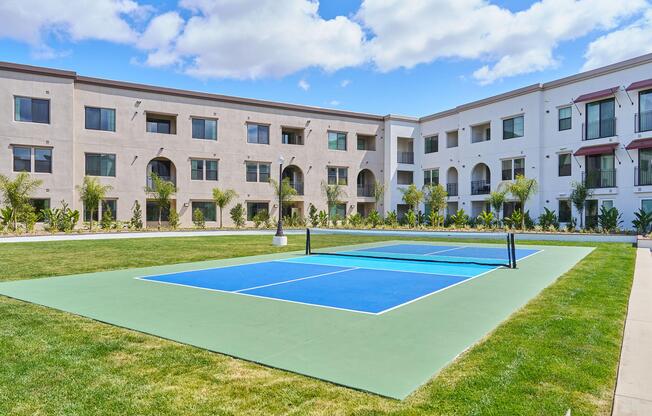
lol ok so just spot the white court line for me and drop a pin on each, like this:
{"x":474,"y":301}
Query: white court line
{"x":295,"y":280}
{"x":442,"y":251}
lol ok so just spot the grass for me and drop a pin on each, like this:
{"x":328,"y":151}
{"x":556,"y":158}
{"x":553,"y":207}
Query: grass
{"x":559,"y":352}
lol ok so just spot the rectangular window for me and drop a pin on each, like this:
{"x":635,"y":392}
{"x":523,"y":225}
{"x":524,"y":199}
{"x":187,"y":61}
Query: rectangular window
{"x":644,"y":167}
{"x":211,"y":170}
{"x":197,"y":170}
{"x":254,"y":208}
{"x":646,"y":205}
{"x":513,"y":127}
{"x":110,"y":205}
{"x":512,"y":168}
{"x":151,"y":212}
{"x":206,"y":208}
{"x":338,"y":211}
{"x":600,"y":119}
{"x":645,"y":110}
{"x":100,"y":164}
{"x":431,"y":144}
{"x":404,"y":177}
{"x":338,"y":176}
{"x":564,"y":210}
{"x":22,"y":159}
{"x":32,"y":110}
{"x":507,"y":170}
{"x":431,"y":176}
{"x":257,"y":133}
{"x":292,"y":136}
{"x":204,"y":129}
{"x":42,"y":160}
{"x":100,"y":118}
{"x":158,"y":126}
{"x":452,"y":139}
{"x":565,"y":164}
{"x":336,"y":140}
{"x":565,"y":118}
{"x":258,"y":172}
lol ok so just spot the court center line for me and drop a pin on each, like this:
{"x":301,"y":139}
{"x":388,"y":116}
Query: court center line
{"x":294,"y":280}
{"x":442,"y":251}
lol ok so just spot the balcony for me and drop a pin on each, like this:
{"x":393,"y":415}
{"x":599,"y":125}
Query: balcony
{"x":642,"y":177}
{"x":451,"y":189}
{"x":405,"y":157}
{"x":482,"y":187}
{"x":365,"y":191}
{"x":595,"y":179}
{"x":599,"y":129}
{"x":643,"y":121}
{"x":150,"y":183}
{"x":297,"y":186}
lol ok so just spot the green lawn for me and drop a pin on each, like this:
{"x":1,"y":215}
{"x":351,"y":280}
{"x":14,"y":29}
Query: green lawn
{"x":560,"y":351}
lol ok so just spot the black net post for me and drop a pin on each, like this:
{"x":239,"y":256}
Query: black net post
{"x":509,"y":251}
{"x":307,"y":241}
{"x":513,"y":250}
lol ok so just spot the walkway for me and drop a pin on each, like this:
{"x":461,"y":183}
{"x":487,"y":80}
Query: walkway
{"x":634,"y":385}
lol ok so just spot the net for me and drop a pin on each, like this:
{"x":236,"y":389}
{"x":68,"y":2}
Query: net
{"x":411,"y":246}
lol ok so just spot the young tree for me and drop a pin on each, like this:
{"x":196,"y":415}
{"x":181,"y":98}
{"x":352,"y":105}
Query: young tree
{"x":435,"y":196}
{"x":91,"y":193}
{"x":496,"y":200}
{"x":223,"y":198}
{"x":522,"y":189}
{"x":333,"y":194}
{"x":412,"y":196}
{"x":136,"y":221}
{"x":379,"y":192}
{"x":578,"y":196}
{"x":286,"y":191}
{"x":16,"y":194}
{"x":161,"y":191}
{"x":238,"y":215}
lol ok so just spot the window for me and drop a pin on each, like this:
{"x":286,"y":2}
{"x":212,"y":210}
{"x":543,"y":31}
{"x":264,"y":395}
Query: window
{"x":111,"y":206}
{"x":203,"y":170}
{"x":452,"y":139}
{"x":254,"y":208}
{"x":513,"y":168}
{"x":644,"y":176}
{"x":42,"y":160}
{"x":607,"y":203}
{"x":204,"y":129}
{"x":646,"y":205}
{"x":565,"y":164}
{"x":100,"y":164}
{"x":338,"y":211}
{"x":600,"y":119}
{"x":106,"y":205}
{"x":338,"y":176}
{"x":645,"y":110}
{"x":206,"y":208}
{"x":39,"y":204}
{"x":32,"y":110}
{"x":366,"y":142}
{"x":151,"y":212}
{"x":100,"y":119}
{"x":513,"y":127}
{"x":258,"y":171}
{"x":564,"y":210}
{"x":404,"y":177}
{"x":292,"y":136}
{"x":257,"y":133}
{"x":336,"y":140}
{"x":431,"y":176}
{"x":481,"y":133}
{"x":431,"y":144}
{"x":22,"y":159}
{"x":565,"y":118}
{"x":158,"y":126}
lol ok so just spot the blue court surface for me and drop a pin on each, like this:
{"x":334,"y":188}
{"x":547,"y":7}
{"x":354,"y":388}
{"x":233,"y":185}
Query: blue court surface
{"x":359,"y":284}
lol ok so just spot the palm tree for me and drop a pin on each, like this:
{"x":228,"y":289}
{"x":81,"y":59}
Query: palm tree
{"x":16,"y":194}
{"x":496,"y":200}
{"x":161,"y":191}
{"x":333,"y":194}
{"x":578,"y":196}
{"x":91,"y":193}
{"x":435,"y":196}
{"x":223,"y":198}
{"x":412,"y":196}
{"x":522,"y":189}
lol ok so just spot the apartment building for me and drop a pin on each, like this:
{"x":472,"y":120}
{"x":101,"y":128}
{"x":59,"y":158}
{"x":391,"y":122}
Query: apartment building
{"x":594,"y":127}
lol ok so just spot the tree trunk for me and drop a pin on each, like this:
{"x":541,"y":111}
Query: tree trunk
{"x":160,"y":214}
{"x":220,"y":217}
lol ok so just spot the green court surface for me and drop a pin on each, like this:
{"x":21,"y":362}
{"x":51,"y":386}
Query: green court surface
{"x":390,"y":354}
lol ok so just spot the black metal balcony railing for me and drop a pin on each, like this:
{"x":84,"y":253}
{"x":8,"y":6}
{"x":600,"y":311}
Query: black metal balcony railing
{"x":365,"y":190}
{"x":405,"y":157}
{"x":599,"y":129}
{"x":643,"y":121}
{"x":298,"y":186}
{"x":150,"y":183}
{"x":599,"y":178}
{"x":451,"y":189}
{"x":642,"y":177}
{"x":482,"y":187}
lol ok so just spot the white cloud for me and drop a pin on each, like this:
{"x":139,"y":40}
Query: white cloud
{"x":334,"y":103}
{"x":408,"y":34}
{"x":31,"y":20}
{"x":345,"y":83}
{"x":303,"y":84}
{"x":249,"y":39}
{"x":628,"y":42}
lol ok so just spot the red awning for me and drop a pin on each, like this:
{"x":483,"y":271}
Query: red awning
{"x":598,"y":149}
{"x":596,"y":95}
{"x":640,"y":144}
{"x":639,"y":85}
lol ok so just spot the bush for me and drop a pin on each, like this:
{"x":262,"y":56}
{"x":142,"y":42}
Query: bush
{"x":106,"y":222}
{"x":313,"y":215}
{"x":391,"y":219}
{"x":420,"y":218}
{"x":571,"y":225}
{"x":173,"y":219}
{"x":459,"y":219}
{"x":410,"y":219}
{"x":374,"y":219}
{"x":356,"y":220}
{"x":237,"y":215}
{"x":28,"y":218}
{"x":60,"y":219}
{"x":548,"y":220}
{"x":136,"y":221}
{"x":261,"y":217}
{"x":294,"y":220}
{"x":609,"y":219}
{"x":198,"y":218}
{"x":323,"y":219}
{"x":435,"y":219}
{"x":642,"y":221}
{"x":486,"y":218}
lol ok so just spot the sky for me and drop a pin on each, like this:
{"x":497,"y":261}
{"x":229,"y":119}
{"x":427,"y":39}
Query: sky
{"x":408,"y":57}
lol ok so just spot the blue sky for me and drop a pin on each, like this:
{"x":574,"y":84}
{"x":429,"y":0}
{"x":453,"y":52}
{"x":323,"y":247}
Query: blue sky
{"x":416,"y":61}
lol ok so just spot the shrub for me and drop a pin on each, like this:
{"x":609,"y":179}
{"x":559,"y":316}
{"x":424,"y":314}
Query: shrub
{"x":237,"y":215}
{"x":261,"y":217}
{"x":28,"y":218}
{"x":642,"y":221}
{"x":374,"y":219}
{"x":435,"y":218}
{"x":486,"y":218}
{"x":548,"y":220}
{"x":198,"y":218}
{"x":609,"y":219}
{"x":529,"y":222}
{"x":410,"y":219}
{"x":571,"y":225}
{"x":335,"y":220}
{"x":391,"y":219}
{"x":173,"y":219}
{"x":459,"y":219}
{"x":107,"y":219}
{"x":356,"y":220}
{"x":323,"y":219}
{"x":294,"y":220}
{"x":420,"y":218}
{"x":313,"y":215}
{"x":136,"y":221}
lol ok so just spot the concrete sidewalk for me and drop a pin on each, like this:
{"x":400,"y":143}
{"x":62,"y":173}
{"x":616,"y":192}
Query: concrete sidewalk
{"x":634,"y":385}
